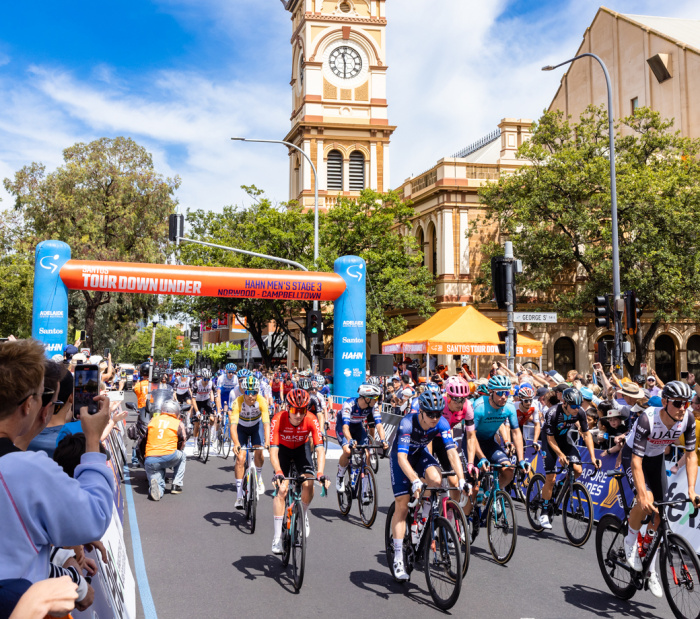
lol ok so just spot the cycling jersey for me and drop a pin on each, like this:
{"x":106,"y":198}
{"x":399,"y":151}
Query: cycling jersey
{"x":411,"y":437}
{"x":226,"y":385}
{"x":415,"y":406}
{"x":265,"y":388}
{"x":558,"y":424}
{"x":650,"y":436}
{"x":284,"y":434}
{"x":316,"y":403}
{"x":352,"y":413}
{"x":525,"y":417}
{"x":466,"y":413}
{"x":487,"y":419}
{"x":245,"y":415}
{"x":202,"y":392}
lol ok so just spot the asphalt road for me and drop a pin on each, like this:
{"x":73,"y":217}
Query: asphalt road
{"x":201,"y":560}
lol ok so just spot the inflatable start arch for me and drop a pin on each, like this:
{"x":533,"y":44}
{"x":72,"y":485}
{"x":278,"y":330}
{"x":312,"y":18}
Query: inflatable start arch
{"x":55,"y":273}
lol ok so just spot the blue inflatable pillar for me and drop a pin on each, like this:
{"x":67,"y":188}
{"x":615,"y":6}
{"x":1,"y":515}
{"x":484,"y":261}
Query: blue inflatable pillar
{"x":349,"y":328}
{"x":50,"y":306}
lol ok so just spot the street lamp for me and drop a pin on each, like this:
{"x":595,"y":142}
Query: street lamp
{"x":613,"y":199}
{"x":313,"y":167}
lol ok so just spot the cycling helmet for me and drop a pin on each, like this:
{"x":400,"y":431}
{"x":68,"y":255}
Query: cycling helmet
{"x":499,"y":383}
{"x":298,"y":398}
{"x":374,"y":380}
{"x":677,"y":390}
{"x":641,"y":380}
{"x":206,"y":373}
{"x":144,"y":368}
{"x":170,"y":407}
{"x":431,"y":402}
{"x":317,"y":382}
{"x":242,"y":373}
{"x":456,"y":388}
{"x":250,"y":383}
{"x":526,"y":393}
{"x":369,"y":391}
{"x":231,"y":367}
{"x":304,"y":383}
{"x":257,"y":375}
{"x":482,"y":389}
{"x":433,"y":387}
{"x":572,"y":396}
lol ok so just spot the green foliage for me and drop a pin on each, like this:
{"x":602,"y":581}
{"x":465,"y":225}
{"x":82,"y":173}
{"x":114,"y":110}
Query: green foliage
{"x":107,"y":202}
{"x":138,"y":348}
{"x":557,"y":213}
{"x":217,"y":353}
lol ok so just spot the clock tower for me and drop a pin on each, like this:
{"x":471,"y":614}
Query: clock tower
{"x":339,"y":107}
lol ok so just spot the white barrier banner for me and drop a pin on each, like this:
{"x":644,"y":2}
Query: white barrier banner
{"x":679,"y":518}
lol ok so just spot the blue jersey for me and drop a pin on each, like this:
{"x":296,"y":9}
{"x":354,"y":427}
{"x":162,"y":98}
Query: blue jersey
{"x":487,"y":419}
{"x":226,"y":385}
{"x":411,"y":437}
{"x":415,"y":407}
{"x":352,"y":413}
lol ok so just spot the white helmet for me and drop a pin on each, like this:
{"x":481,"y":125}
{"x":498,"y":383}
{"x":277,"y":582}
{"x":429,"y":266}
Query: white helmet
{"x":369,"y":391}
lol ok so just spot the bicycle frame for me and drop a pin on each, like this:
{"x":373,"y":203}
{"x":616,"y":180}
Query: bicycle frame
{"x":358,"y":472}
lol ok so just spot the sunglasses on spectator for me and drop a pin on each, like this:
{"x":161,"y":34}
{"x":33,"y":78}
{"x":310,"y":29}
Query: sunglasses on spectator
{"x":433,"y":415}
{"x":297,"y":411}
{"x":46,"y":396}
{"x":501,"y":393}
{"x":651,"y":380}
{"x":25,"y":398}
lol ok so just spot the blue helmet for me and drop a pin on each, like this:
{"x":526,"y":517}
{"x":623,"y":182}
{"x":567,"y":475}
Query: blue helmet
{"x":243,"y":373}
{"x":257,"y":375}
{"x":431,"y":402}
{"x":231,"y":367}
{"x":433,"y":387}
{"x":572,"y":396}
{"x":499,"y":383}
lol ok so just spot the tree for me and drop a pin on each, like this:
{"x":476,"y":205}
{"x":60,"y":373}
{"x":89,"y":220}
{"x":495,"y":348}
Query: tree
{"x":107,"y":202}
{"x":17,"y":277}
{"x":365,"y":227}
{"x":138,"y":349}
{"x":556,"y":211}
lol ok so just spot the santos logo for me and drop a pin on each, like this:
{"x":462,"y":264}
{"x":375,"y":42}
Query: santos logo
{"x":51,"y":314}
{"x":43,"y":331}
{"x":353,"y":340}
{"x":353,"y":355}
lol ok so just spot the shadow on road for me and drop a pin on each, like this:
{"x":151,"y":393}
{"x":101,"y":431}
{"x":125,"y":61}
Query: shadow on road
{"x":332,"y":515}
{"x":223,"y":487}
{"x":268,"y":566}
{"x":233,"y":518}
{"x":548,"y":537}
{"x":604,"y":604}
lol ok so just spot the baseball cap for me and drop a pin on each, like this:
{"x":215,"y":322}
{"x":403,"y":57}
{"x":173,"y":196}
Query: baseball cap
{"x":586,"y":394}
{"x":542,"y":391}
{"x":70,"y":350}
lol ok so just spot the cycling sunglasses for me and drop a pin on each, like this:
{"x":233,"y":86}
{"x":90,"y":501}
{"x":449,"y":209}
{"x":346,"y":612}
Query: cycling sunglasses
{"x":293,"y":410}
{"x":46,"y":396}
{"x":574,"y":407}
{"x":251,"y":392}
{"x":501,"y":393}
{"x":680,"y":403}
{"x":459,"y":400}
{"x":433,"y":414}
{"x":526,"y":401}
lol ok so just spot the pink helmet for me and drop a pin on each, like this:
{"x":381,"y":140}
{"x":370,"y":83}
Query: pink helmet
{"x":457,"y":388}
{"x":526,"y":393}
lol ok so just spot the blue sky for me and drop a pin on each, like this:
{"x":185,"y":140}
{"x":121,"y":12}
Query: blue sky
{"x":183,"y":76}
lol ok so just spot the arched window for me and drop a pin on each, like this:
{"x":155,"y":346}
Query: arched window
{"x":665,"y":358}
{"x":357,"y":171}
{"x":432,"y":248}
{"x":335,"y":171}
{"x":694,"y":355}
{"x":420,"y":237}
{"x":564,"y":355}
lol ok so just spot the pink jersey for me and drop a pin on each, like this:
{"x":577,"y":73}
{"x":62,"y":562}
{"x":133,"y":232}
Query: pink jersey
{"x":466,"y":414}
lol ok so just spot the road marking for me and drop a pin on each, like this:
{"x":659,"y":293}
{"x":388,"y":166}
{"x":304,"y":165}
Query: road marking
{"x":149,"y":608}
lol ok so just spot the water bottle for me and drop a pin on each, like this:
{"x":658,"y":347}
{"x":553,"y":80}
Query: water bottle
{"x":646,"y":542}
{"x":480,"y":496}
{"x":416,"y":530}
{"x":354,"y":473}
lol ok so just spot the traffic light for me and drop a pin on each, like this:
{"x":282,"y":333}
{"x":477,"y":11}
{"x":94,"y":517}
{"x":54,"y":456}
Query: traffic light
{"x":503,"y":348}
{"x":500,"y":268}
{"x":314,"y":324}
{"x":176,"y":227}
{"x":318,"y":349}
{"x":601,"y":351}
{"x":632,"y":312}
{"x":603,"y":311}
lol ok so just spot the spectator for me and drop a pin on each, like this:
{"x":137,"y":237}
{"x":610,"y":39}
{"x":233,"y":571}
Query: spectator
{"x":47,"y":439}
{"x":40,"y":506}
{"x":53,"y":596}
{"x":165,"y":449}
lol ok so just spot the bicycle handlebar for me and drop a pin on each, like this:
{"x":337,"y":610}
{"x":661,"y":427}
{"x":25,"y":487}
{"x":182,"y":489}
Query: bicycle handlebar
{"x":693,"y":514}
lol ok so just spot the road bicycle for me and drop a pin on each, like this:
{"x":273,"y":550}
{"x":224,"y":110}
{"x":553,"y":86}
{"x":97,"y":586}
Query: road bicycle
{"x":360,"y":484}
{"x":678,"y":561}
{"x":250,"y":486}
{"x":203,"y":440}
{"x":495,"y":511}
{"x":294,"y":526}
{"x":434,"y":542}
{"x":518,"y":487}
{"x":569,"y":498}
{"x":223,"y":436}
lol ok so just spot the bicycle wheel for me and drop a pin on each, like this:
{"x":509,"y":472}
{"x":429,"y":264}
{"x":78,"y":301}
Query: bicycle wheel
{"x":456,"y":517}
{"x":610,"y":550}
{"x":533,"y":501}
{"x":298,"y":543}
{"x":578,"y":514}
{"x":442,"y":562}
{"x":219,"y":441}
{"x":408,"y":552}
{"x":502,"y":527}
{"x":253,"y":502}
{"x":680,"y":577}
{"x":374,"y":461}
{"x":227,"y":443}
{"x":204,"y":455}
{"x":345,"y":497}
{"x":367,"y":499}
{"x":247,"y":500}
{"x":198,"y":445}
{"x":286,"y":534}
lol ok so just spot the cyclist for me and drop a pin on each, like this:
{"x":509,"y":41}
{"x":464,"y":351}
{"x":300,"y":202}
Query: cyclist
{"x":350,"y":427}
{"x":527,"y":413}
{"x":249,"y":418}
{"x":276,"y":387}
{"x":411,"y":463}
{"x":490,"y":413}
{"x":236,"y":392}
{"x":289,"y":434}
{"x":643,"y":462}
{"x":227,"y":383}
{"x":560,"y":446}
{"x":318,"y":401}
{"x":203,"y":400}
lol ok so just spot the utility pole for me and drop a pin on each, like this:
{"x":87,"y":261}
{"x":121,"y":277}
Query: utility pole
{"x":510,"y":302}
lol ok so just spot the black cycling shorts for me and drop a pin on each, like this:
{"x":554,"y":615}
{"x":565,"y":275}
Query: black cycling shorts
{"x":183,"y":397}
{"x":654,"y":469}
{"x":206,"y":406}
{"x":370,"y":419}
{"x":301,"y":456}
{"x":440,"y":453}
{"x":551,"y":459}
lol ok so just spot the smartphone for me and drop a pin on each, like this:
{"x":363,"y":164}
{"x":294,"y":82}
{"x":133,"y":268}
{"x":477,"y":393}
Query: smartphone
{"x":106,"y":353}
{"x":643,"y":368}
{"x":82,"y":336}
{"x":86,"y":387}
{"x":684,"y":375}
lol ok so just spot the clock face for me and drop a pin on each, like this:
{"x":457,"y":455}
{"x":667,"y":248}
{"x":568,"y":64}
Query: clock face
{"x":345,"y":62}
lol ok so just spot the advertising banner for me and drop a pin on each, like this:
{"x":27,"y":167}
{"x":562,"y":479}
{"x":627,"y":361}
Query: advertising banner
{"x":349,"y":330}
{"x":201,"y":281}
{"x":680,"y":519}
{"x":223,"y":321}
{"x":50,"y":306}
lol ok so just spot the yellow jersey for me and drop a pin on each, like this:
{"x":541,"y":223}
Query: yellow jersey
{"x":249,"y":416}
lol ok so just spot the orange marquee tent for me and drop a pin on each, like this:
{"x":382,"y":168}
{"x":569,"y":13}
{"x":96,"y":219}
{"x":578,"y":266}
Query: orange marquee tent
{"x":458,"y":331}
